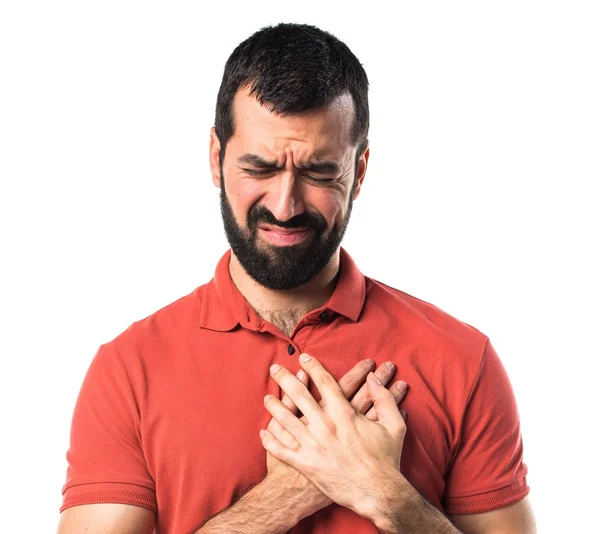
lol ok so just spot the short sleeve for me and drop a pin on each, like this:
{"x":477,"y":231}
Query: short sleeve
{"x":488,"y":470}
{"x":106,"y":463}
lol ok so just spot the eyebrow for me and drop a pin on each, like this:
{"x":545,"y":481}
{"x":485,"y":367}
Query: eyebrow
{"x":324,"y":167}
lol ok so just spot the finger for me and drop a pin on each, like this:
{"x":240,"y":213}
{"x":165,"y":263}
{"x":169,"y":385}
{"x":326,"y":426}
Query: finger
{"x":362,"y":400}
{"x":282,"y":434}
{"x":388,"y":413}
{"x":398,"y":390}
{"x":287,"y":401}
{"x":276,"y":429}
{"x":353,"y":379}
{"x":330,"y":391}
{"x":281,"y":452}
{"x":299,"y":395}
{"x":286,"y":418}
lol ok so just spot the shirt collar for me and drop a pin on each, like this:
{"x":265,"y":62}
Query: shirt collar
{"x":224,"y":307}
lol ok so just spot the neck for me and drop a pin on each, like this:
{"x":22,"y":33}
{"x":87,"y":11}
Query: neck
{"x":293,"y":302}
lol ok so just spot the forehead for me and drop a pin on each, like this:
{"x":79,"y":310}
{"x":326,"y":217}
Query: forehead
{"x":325,"y":132}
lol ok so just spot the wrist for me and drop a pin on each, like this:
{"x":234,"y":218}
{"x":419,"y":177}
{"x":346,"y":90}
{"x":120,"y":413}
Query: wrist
{"x":395,"y":496}
{"x":259,"y":510}
{"x":285,"y":503}
{"x":401,"y":508}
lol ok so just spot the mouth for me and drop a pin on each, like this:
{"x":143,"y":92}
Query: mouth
{"x":284,"y":236}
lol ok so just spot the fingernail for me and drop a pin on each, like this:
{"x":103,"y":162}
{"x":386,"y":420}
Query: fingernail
{"x":390,"y":366}
{"x":369,"y":362}
{"x":373,"y":377}
{"x":300,"y":374}
{"x":262,"y":433}
{"x":267,"y":398}
{"x":304,"y":357}
{"x":274,"y":368}
{"x":402,"y":386}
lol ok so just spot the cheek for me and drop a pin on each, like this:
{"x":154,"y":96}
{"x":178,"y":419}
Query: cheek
{"x":242,"y":198}
{"x":331,"y":206}
{"x":248,"y":188}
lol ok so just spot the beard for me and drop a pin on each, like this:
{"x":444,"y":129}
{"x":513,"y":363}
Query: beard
{"x":282,"y":267}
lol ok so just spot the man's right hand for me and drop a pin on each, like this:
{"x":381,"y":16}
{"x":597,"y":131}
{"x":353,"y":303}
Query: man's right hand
{"x":282,"y":479}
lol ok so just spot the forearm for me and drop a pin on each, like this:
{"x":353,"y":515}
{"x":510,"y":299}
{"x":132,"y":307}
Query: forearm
{"x":403,"y":510}
{"x":259,"y":510}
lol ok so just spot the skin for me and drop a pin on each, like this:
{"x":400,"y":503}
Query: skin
{"x":361,"y":402}
{"x":355,"y":460}
{"x":124,"y":518}
{"x":287,"y":190}
{"x":343,"y":453}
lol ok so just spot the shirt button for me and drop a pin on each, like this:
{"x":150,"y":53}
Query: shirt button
{"x":324,"y":316}
{"x":291,"y":349}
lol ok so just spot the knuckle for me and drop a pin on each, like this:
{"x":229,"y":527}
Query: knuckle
{"x":360,"y":397}
{"x":402,"y":428}
{"x":287,"y":419}
{"x":324,"y":379}
{"x":349,"y":384}
{"x":294,"y":445}
{"x":305,"y":395}
{"x":287,"y":402}
{"x":331,"y":427}
{"x":347,"y":412}
{"x":371,"y":414}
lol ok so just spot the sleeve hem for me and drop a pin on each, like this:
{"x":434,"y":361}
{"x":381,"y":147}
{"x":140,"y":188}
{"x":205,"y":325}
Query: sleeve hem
{"x":118,"y":496}
{"x":486,"y":502}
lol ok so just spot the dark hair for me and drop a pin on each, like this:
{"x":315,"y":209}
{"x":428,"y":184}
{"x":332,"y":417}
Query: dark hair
{"x":292,"y":68}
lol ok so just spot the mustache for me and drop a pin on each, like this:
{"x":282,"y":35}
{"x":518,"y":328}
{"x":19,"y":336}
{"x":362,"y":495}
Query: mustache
{"x":260,"y":214}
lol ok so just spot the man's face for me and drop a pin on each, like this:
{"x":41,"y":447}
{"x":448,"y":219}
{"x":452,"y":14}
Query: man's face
{"x":286,"y":189}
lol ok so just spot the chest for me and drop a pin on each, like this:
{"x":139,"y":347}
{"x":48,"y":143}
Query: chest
{"x":201,"y":428}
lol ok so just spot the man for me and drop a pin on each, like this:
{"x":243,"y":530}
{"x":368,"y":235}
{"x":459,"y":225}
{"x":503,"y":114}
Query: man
{"x":165,"y":431}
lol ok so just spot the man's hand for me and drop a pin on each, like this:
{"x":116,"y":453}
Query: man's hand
{"x":283,"y":475}
{"x":342,"y":452}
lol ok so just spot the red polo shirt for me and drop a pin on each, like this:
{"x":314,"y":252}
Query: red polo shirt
{"x":169,"y":411}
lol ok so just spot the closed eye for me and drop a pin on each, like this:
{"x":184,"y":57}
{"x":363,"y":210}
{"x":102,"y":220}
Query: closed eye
{"x":252,"y":172}
{"x":264,"y":172}
{"x":321,"y":180}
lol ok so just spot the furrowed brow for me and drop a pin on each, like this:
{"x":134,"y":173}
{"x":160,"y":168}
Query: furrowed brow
{"x":321,"y":167}
{"x":257,"y":161}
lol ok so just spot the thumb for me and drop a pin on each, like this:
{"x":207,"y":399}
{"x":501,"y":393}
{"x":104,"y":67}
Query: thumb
{"x":385,"y":404}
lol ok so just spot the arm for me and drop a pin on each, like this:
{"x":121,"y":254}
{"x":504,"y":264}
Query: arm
{"x":106,"y":518}
{"x":263,"y":509}
{"x":362,"y":459}
{"x":517,"y":517}
{"x":106,"y":463}
{"x":490,"y":454}
{"x":285,"y":497}
{"x":401,"y":508}
{"x":404,"y":510}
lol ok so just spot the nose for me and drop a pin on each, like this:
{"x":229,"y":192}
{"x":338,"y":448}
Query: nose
{"x":285,"y":199}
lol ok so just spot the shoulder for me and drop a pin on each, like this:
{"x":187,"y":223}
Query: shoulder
{"x":166,"y":327}
{"x":424,"y":324}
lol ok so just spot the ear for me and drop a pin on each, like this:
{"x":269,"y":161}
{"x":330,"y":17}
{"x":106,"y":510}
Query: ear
{"x":214,"y":149}
{"x":361,"y":170}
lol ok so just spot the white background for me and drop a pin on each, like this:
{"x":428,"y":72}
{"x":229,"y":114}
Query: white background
{"x":480,"y":198}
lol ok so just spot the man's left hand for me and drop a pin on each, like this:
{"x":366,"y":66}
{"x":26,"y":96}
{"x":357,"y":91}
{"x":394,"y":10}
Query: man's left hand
{"x":342,"y":452}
